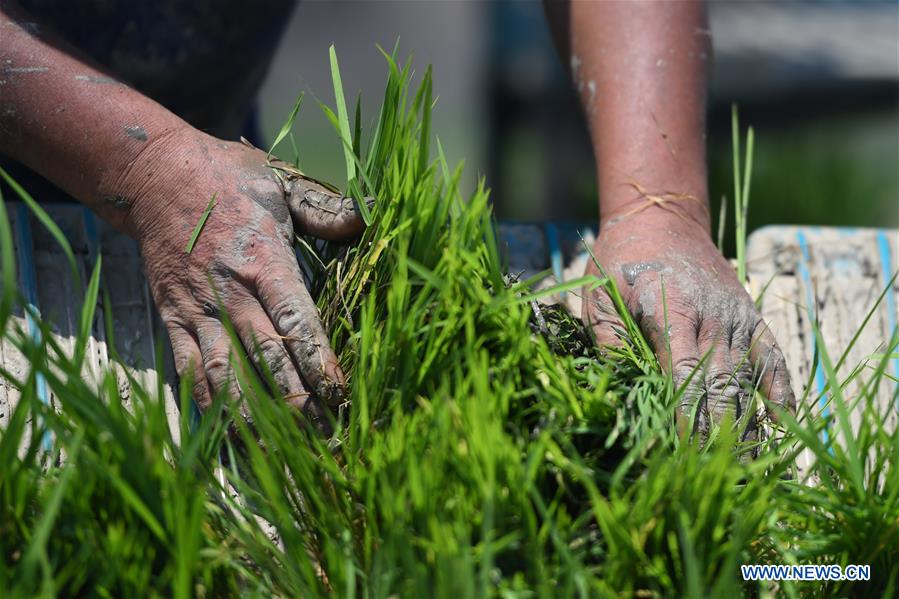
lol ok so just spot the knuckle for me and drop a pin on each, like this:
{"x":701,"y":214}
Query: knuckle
{"x":185,"y":364}
{"x":685,"y":373}
{"x":170,"y":316}
{"x":740,"y":343}
{"x":200,"y":393}
{"x":218,"y":369}
{"x":745,"y":373}
{"x":174,"y":322}
{"x":289,"y":317}
{"x":187,"y":367}
{"x":742,"y":323}
{"x":723,"y":384}
{"x":162,"y":279}
{"x":683,"y":367}
{"x":272,"y":353}
{"x":726,"y":394}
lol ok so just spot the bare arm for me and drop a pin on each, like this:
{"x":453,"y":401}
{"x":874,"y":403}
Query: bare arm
{"x":72,"y":123}
{"x":151,"y":174}
{"x":640,"y":69}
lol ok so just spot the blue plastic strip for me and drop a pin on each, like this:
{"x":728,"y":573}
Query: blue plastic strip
{"x":886,"y":264}
{"x":804,"y":260}
{"x":29,"y":291}
{"x":555,"y":252}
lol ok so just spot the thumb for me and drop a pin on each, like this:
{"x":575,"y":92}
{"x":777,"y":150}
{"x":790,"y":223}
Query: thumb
{"x":321,"y":212}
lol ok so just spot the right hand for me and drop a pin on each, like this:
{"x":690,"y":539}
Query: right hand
{"x":701,"y":323}
{"x":243,"y":263}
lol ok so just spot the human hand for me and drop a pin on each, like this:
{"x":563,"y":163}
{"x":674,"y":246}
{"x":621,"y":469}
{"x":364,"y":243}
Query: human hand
{"x":242,"y":263}
{"x":713,"y":324}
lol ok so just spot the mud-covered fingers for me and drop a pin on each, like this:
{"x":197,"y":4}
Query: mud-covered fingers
{"x":725,"y":386}
{"x":749,"y":408}
{"x":267,"y":352}
{"x":677,"y":350}
{"x":600,"y":316}
{"x":189,"y":364}
{"x":324,"y":214}
{"x":771,"y":369}
{"x":728,"y":381}
{"x":216,"y":349}
{"x":290,"y":308}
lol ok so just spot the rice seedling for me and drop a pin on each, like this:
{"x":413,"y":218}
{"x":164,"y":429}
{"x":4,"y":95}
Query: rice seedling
{"x":488,"y":450}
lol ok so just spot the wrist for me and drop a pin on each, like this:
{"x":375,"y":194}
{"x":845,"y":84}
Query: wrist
{"x":136,"y":191}
{"x":656,"y":205}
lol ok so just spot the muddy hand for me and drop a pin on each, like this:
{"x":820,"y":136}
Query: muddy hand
{"x":713,"y":324}
{"x":242,"y":263}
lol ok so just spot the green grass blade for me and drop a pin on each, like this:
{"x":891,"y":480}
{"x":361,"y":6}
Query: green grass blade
{"x":357,"y":127}
{"x":343,"y":118}
{"x":744,"y":200}
{"x":355,"y":192}
{"x":444,"y":166}
{"x":735,"y":147}
{"x":200,"y":224}
{"x":722,"y":223}
{"x":353,"y":189}
{"x":589,"y":281}
{"x":37,"y":548}
{"x":425,"y":133}
{"x":88,"y":309}
{"x":855,"y":458}
{"x":747,"y":174}
{"x":288,"y":124}
{"x":131,"y":497}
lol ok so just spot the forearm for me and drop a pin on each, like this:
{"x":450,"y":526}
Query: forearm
{"x":640,"y":69}
{"x":71,"y":122}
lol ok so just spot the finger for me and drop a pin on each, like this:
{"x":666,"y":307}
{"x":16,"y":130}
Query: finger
{"x":324,"y":214}
{"x":677,"y":349}
{"x":728,"y":381}
{"x":267,"y":352}
{"x":600,"y":316}
{"x":771,"y":370}
{"x":189,"y":363}
{"x":290,"y":308}
{"x":215,"y":346}
{"x":724,"y":392}
{"x":318,"y":416}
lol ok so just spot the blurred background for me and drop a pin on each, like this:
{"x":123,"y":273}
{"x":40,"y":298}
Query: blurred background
{"x":817,"y":80}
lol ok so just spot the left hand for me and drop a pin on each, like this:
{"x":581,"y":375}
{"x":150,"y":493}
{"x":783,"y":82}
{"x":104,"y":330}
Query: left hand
{"x":242,"y":265}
